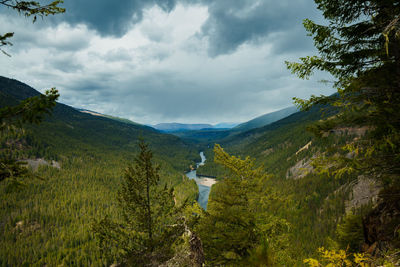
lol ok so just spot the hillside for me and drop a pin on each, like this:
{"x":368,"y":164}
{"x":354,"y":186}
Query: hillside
{"x":260,"y":142}
{"x":87,"y":132}
{"x":79,"y":160}
{"x":314,"y":204}
{"x":107,"y":116}
{"x":265,"y":119}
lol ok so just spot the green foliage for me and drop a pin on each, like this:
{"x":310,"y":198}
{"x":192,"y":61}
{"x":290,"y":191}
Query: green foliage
{"x":30,"y":110}
{"x":360,"y":47}
{"x":34,"y":8}
{"x":186,"y":190}
{"x":12,"y":120}
{"x":312,"y":206}
{"x":228,"y":230}
{"x":350,"y":233}
{"x":149,"y":215}
{"x":339,"y":258}
{"x":236,"y":227}
{"x":4,"y":41}
{"x":57,"y":210}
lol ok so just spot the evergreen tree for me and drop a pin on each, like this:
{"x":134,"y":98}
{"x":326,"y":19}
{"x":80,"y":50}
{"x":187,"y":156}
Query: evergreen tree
{"x":236,"y":229}
{"x":149,"y":227}
{"x":360,"y":47}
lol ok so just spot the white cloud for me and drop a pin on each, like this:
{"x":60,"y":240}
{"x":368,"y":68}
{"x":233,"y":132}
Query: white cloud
{"x":158,"y":71}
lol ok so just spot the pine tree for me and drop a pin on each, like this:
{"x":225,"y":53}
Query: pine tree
{"x":148,"y":228}
{"x":360,"y":48}
{"x":234,"y":225}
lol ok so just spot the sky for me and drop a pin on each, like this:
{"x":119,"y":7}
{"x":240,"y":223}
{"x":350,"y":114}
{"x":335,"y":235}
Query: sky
{"x":153,"y":61}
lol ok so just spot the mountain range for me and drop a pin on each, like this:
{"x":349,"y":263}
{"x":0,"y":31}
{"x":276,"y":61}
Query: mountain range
{"x":175,"y":127}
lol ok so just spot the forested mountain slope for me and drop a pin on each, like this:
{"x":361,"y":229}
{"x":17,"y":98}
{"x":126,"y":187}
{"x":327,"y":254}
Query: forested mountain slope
{"x":47,"y":220}
{"x":312,"y":204}
{"x":322,"y":211}
{"x":283,"y":137}
{"x":68,"y":130}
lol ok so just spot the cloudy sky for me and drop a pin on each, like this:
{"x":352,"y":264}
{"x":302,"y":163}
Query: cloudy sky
{"x":157,"y":61}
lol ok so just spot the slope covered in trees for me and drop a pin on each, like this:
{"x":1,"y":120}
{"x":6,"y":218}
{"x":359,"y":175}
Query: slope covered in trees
{"x":321,"y":176}
{"x":48,"y":219}
{"x":87,"y":133}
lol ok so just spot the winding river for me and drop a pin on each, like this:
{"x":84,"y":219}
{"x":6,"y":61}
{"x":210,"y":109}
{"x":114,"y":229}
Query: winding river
{"x":204,"y":183}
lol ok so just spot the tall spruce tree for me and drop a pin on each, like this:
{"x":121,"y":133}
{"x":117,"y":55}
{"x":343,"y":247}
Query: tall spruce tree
{"x":236,"y":229}
{"x":360,"y":47}
{"x":148,"y":225}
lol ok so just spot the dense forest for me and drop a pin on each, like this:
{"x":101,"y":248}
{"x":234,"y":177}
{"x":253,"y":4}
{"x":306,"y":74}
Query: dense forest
{"x":318,"y":186}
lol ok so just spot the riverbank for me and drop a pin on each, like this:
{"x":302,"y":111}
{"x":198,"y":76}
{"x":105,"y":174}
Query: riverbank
{"x":206,"y":181}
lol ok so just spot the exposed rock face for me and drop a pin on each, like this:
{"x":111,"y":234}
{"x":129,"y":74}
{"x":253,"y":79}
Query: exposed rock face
{"x":356,"y":131}
{"x":190,"y":254}
{"x":35,"y":163}
{"x":364,"y":191}
{"x":300,"y":169}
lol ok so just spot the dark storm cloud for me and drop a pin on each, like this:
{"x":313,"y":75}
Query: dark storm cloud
{"x":233,"y":23}
{"x":230,"y":23}
{"x":110,"y":17}
{"x":213,"y":61}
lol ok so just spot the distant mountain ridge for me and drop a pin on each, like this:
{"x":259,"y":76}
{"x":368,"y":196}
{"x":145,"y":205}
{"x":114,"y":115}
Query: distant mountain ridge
{"x":181,"y":127}
{"x":265,"y":119}
{"x":95,"y":113}
{"x":174,"y":126}
{"x":225,"y":125}
{"x":212,"y":135}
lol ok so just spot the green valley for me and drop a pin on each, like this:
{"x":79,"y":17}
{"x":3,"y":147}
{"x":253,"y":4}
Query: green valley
{"x":136,"y":157}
